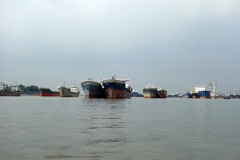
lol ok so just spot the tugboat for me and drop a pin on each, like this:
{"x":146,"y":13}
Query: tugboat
{"x":93,"y":89}
{"x":6,"y":90}
{"x":150,"y":91}
{"x":68,"y":92}
{"x":117,"y":88}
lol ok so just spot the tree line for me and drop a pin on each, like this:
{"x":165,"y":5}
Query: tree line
{"x":29,"y":89}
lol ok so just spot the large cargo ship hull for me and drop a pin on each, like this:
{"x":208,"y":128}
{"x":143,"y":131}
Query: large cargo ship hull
{"x":116,"y":90}
{"x":150,"y":93}
{"x":48,"y":93}
{"x":93,"y":90}
{"x":65,"y":92}
{"x":204,"y":94}
{"x":10,"y":93}
{"x":53,"y":94}
{"x":161,"y":94}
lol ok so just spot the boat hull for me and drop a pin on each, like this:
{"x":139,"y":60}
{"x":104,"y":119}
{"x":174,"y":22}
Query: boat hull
{"x":93,"y":89}
{"x":46,"y":92}
{"x":10,"y":93}
{"x":115,"y":89}
{"x":150,"y":93}
{"x":65,"y":92}
{"x":161,"y":94}
{"x":187,"y":95}
{"x":204,"y":94}
{"x":134,"y":94}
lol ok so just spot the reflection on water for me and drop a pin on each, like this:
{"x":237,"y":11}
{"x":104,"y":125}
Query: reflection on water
{"x":137,"y":128}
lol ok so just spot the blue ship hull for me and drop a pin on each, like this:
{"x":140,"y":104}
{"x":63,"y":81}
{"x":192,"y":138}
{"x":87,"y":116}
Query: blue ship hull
{"x":93,"y":90}
{"x":116,"y":90}
{"x":204,"y":94}
{"x":134,"y":94}
{"x":187,"y":95}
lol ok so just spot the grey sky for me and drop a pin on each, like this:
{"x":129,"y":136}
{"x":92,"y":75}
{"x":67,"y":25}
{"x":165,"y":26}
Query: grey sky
{"x":175,"y":43}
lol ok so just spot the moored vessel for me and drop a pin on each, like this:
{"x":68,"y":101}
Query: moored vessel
{"x":186,"y":94}
{"x":134,"y":93}
{"x":150,"y":91}
{"x":161,"y":93}
{"x":46,"y":92}
{"x":12,"y":90}
{"x":68,"y":92}
{"x":199,"y":91}
{"x":93,"y":89}
{"x":117,"y":88}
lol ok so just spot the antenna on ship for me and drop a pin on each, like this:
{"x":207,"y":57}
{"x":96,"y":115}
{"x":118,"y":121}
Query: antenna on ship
{"x":113,"y":75}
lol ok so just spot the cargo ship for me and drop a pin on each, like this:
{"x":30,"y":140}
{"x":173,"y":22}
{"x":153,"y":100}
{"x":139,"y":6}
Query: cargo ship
{"x":199,"y":91}
{"x":187,"y":94}
{"x":161,"y":93}
{"x":150,"y":91}
{"x":6,"y":90}
{"x":68,"y":92}
{"x":43,"y":91}
{"x":93,"y":89}
{"x":117,"y":88}
{"x":134,"y":93}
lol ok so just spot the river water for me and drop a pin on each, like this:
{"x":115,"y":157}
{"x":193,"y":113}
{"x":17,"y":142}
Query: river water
{"x":43,"y":128}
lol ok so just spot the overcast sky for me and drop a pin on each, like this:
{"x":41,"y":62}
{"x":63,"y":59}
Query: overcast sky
{"x":178,"y":44}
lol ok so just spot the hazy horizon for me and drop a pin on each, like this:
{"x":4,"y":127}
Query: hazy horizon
{"x":178,"y":44}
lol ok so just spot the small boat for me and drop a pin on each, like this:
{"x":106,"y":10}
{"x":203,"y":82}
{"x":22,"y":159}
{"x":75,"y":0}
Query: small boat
{"x":226,"y":97}
{"x":68,"y":92}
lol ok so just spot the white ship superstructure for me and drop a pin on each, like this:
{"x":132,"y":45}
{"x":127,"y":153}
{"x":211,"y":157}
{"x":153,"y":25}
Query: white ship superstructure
{"x":198,"y":88}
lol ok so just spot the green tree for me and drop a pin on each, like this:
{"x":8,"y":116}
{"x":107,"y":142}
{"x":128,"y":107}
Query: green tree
{"x":29,"y":89}
{"x":32,"y":89}
{"x":22,"y":88}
